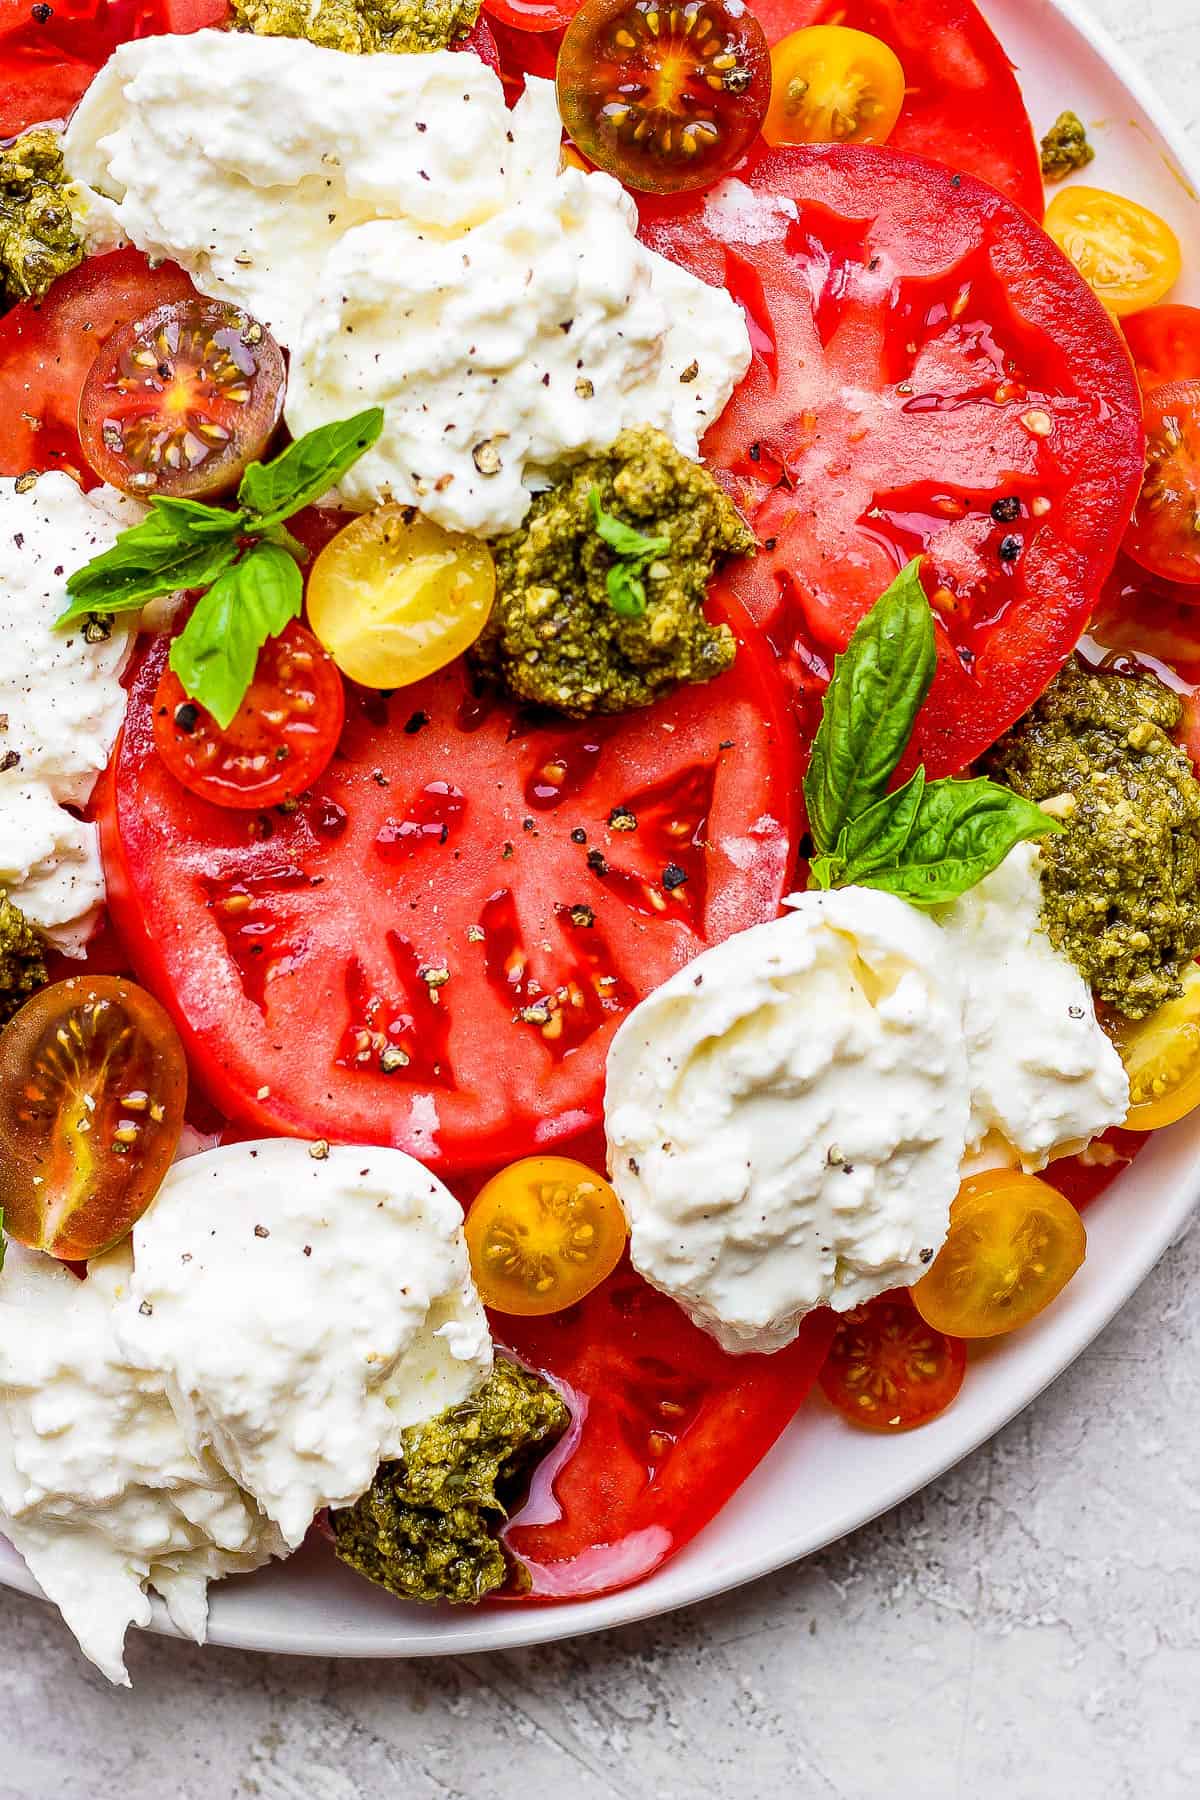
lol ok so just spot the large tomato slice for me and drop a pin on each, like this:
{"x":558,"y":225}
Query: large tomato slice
{"x":930,"y":375}
{"x":668,"y":1426}
{"x":47,"y":350}
{"x":434,"y":949}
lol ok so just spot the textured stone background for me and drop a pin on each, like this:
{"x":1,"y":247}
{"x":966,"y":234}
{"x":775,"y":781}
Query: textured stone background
{"x":1027,"y":1629}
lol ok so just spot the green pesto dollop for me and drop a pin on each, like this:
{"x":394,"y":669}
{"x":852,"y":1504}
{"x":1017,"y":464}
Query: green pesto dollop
{"x":426,"y":1529}
{"x":554,"y":637}
{"x":360,"y":27}
{"x":1121,"y":882}
{"x":39,"y":240}
{"x":1065,"y":148}
{"x":22,"y":959}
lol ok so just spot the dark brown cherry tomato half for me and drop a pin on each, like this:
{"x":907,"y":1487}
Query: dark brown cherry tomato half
{"x":664,"y":97}
{"x":1164,"y":536}
{"x":93,"y":1082}
{"x":887,"y":1370}
{"x":279,"y":740}
{"x":179,"y":401}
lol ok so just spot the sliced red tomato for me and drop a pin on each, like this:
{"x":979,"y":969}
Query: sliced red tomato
{"x":434,"y":948}
{"x":1083,"y":1178}
{"x":1164,"y":342}
{"x":46,"y":351}
{"x":667,"y":1427}
{"x":930,"y":376}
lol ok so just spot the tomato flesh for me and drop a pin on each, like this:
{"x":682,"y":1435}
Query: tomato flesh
{"x":833,"y":85}
{"x":450,"y":888}
{"x":92,"y":1090}
{"x":668,"y":1427}
{"x":280,"y":739}
{"x":887,"y":1370}
{"x":930,"y":377}
{"x":1164,"y":536}
{"x":178,"y":402}
{"x":1164,"y":342}
{"x":1013,"y":1245}
{"x":542,"y":1234}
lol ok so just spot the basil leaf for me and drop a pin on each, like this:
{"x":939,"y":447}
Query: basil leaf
{"x":963,"y":830}
{"x":626,"y":591}
{"x":622,"y":539}
{"x":877,"y":837}
{"x":308,"y":468}
{"x":195,"y":519}
{"x":150,"y":559}
{"x":871,"y":704}
{"x":216,"y":653}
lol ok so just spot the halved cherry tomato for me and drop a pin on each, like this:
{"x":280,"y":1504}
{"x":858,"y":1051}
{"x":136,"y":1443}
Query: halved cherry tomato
{"x":1014,"y":1244}
{"x":178,"y":401}
{"x":1084,"y":1177}
{"x":887,"y":1369}
{"x":1161,"y":1054}
{"x":664,"y":98}
{"x":1129,"y":257}
{"x":47,"y":350}
{"x":667,"y":1427}
{"x":1164,"y":342}
{"x":280,"y":739}
{"x":93,"y":1084}
{"x":394,"y":598}
{"x":532,"y":17}
{"x":543,"y":1233}
{"x":1164,"y":535}
{"x":930,"y":377}
{"x":452,"y":888}
{"x":831,"y":84}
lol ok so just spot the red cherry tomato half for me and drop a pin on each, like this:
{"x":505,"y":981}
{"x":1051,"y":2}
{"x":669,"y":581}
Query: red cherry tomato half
{"x":664,"y":98}
{"x":1164,"y":536}
{"x":179,"y":401}
{"x":667,"y":1427}
{"x":887,"y":1370}
{"x":92,"y":1089}
{"x":1164,"y":342}
{"x":279,"y":740}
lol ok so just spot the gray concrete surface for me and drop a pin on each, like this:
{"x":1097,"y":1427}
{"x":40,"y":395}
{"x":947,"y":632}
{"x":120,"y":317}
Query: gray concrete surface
{"x":1027,"y":1629}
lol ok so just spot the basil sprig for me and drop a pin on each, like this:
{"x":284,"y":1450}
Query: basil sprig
{"x":633,"y":550}
{"x":927,"y":841}
{"x":243,"y":556}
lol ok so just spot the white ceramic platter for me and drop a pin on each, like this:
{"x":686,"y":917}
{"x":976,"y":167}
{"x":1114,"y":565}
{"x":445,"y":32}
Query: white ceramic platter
{"x":824,"y":1479}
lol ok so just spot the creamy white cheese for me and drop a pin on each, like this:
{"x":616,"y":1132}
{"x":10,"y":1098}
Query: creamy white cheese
{"x":99,"y":1491}
{"x":172,"y":150}
{"x":1045,"y":1079}
{"x":786,"y":1116}
{"x":301,"y":1313}
{"x":61,"y":701}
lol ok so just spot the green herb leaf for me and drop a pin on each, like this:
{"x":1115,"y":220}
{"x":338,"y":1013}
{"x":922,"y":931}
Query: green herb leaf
{"x":870,"y":707}
{"x":307,"y":469}
{"x":878,"y":837}
{"x":962,"y":831}
{"x":152,"y":558}
{"x":195,"y":519}
{"x":216,"y":653}
{"x":623,"y":540}
{"x":626,"y":591}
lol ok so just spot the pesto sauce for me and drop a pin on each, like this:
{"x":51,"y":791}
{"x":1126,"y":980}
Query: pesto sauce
{"x":1065,"y":148}
{"x":38,"y":236}
{"x":554,"y":637}
{"x":1121,"y":882}
{"x":426,"y":1529}
{"x":22,"y":959}
{"x":361,"y":27}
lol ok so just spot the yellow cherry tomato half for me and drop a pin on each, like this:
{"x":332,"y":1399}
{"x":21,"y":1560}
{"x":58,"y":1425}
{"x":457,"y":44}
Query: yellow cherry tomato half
{"x":1129,"y":257}
{"x":833,"y":85}
{"x":1014,"y":1244}
{"x":543,"y":1233}
{"x":394,"y":597}
{"x":1161,"y":1054}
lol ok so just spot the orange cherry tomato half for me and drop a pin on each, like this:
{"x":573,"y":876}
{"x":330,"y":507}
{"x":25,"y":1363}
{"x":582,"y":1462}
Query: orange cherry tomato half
{"x":1164,"y":342}
{"x":664,"y":98}
{"x":543,"y":1233}
{"x":179,"y":401}
{"x":1164,"y":535}
{"x":93,"y":1082}
{"x":887,"y":1369}
{"x":1014,"y":1244}
{"x":1161,"y":1054}
{"x":279,"y":740}
{"x":833,"y":85}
